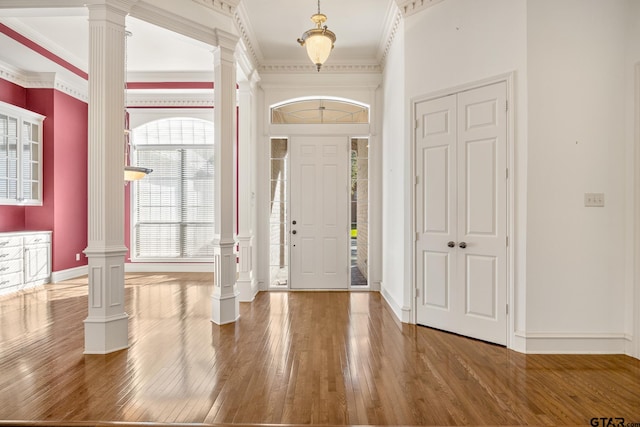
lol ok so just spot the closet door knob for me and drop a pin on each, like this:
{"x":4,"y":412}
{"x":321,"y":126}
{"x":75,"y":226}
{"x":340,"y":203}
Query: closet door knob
{"x":451,"y":244}
{"x":462,"y":245}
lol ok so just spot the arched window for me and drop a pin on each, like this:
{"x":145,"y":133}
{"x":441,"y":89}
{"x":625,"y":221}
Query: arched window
{"x":319,"y":111}
{"x":173,"y":206}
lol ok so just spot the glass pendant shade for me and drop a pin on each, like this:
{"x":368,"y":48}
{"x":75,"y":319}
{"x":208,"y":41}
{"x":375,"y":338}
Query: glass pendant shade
{"x":319,"y":40}
{"x":319,"y":47}
{"x":134,"y":173}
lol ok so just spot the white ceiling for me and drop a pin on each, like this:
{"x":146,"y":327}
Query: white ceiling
{"x":271,"y":25}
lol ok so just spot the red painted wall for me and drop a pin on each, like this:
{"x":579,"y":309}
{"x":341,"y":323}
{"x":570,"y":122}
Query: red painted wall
{"x":12,"y":217}
{"x":13,"y":94}
{"x":64,"y":168}
{"x":41,"y":217}
{"x":71,"y":181}
{"x":64,"y":207}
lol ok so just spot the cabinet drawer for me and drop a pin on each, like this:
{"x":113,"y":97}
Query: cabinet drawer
{"x":32,"y":239}
{"x":6,"y":242}
{"x":10,"y":253}
{"x":10,"y":281}
{"x":9,"y":267}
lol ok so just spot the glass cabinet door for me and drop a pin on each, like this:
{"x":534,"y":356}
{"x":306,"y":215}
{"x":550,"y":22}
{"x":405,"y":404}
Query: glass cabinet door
{"x":30,"y":161}
{"x":20,"y":156}
{"x":8,"y":157}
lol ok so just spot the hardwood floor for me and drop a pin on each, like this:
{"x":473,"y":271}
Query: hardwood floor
{"x":292,"y":358}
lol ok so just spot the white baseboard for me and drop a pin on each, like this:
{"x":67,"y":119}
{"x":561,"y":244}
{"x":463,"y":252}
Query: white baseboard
{"x":70,"y":273}
{"x":575,"y":343}
{"x":395,"y":307}
{"x":168,"y":267}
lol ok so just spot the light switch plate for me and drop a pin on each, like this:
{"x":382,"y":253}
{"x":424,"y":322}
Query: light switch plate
{"x":594,"y":200}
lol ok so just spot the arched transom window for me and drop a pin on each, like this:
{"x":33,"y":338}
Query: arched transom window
{"x":319,"y":111}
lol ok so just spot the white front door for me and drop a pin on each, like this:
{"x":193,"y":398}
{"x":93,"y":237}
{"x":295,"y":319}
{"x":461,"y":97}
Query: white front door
{"x":461,"y":213}
{"x":319,"y":220}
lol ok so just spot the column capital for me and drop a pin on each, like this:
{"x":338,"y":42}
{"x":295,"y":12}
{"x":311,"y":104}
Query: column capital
{"x":225,"y":41}
{"x":118,"y":7}
{"x":249,"y":84}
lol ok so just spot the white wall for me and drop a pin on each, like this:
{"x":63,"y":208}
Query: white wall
{"x":394,"y":174}
{"x":458,"y":42}
{"x":577,"y":144}
{"x":632,"y":135}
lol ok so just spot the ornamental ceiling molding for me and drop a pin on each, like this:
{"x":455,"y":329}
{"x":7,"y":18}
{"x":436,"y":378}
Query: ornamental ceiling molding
{"x":391,"y":28}
{"x":168,"y":100}
{"x":303,"y":68}
{"x":226,"y":7}
{"x":410,"y":7}
{"x":76,"y":88}
{"x":243,"y":24}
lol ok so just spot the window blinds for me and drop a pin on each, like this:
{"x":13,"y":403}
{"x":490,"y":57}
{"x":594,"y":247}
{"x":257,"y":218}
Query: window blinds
{"x":173,"y":206}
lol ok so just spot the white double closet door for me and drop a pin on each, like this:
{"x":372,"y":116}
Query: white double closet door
{"x":461,"y":213}
{"x":319,"y":215}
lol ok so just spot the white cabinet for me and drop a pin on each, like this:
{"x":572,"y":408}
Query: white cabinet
{"x":20,"y":156}
{"x":25,"y":260}
{"x":11,"y":263}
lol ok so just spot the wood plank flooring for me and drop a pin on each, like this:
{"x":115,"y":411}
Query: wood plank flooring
{"x":293,"y":358}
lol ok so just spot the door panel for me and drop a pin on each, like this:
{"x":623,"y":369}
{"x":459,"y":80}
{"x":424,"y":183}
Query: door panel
{"x":480,"y":191}
{"x":436,"y":283}
{"x":319,"y":206}
{"x":482,"y":209}
{"x":481,"y":285}
{"x":461,"y":202}
{"x":435,"y":202}
{"x":436,"y":213}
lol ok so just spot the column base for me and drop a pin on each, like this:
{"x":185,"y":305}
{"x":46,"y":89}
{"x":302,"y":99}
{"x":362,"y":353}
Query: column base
{"x":225,"y":309}
{"x":106,"y":335}
{"x":247,"y":290}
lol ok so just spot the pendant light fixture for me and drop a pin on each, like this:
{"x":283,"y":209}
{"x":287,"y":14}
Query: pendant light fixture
{"x":131,"y":173}
{"x":319,"y":40}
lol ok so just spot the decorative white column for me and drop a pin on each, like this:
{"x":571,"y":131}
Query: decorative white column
{"x":224,"y":301}
{"x":106,"y":327}
{"x":246,"y":280}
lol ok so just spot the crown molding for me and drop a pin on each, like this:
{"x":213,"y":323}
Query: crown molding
{"x":310,"y":68}
{"x":37,"y":4}
{"x":247,"y":35}
{"x":410,"y":7}
{"x":73,"y":86}
{"x":78,"y":89}
{"x":201,"y":99}
{"x":12,"y":75}
{"x":226,"y":7}
{"x":394,"y":16}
